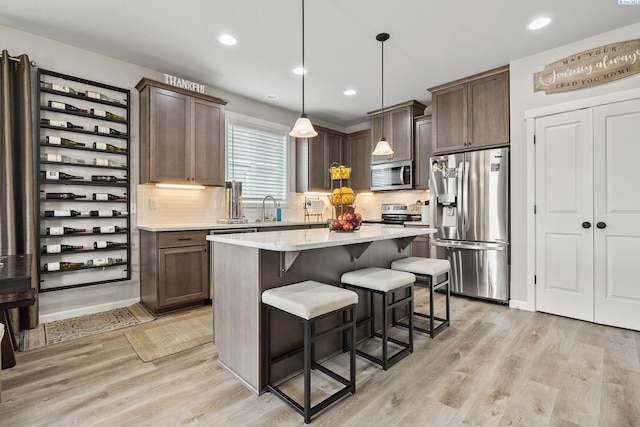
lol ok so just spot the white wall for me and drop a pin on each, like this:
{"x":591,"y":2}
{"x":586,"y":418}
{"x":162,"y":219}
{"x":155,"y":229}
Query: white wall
{"x":523,"y":98}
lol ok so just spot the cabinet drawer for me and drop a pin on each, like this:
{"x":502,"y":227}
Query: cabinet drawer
{"x":172,"y":239}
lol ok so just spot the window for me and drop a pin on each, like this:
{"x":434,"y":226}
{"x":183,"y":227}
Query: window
{"x":257,"y":156}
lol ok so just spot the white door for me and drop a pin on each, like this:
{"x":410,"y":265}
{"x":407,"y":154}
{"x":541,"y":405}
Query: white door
{"x":564,"y":214}
{"x":617,"y":209}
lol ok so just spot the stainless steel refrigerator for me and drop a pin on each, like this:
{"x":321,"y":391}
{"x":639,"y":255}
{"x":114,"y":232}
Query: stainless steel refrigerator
{"x":470,"y":210}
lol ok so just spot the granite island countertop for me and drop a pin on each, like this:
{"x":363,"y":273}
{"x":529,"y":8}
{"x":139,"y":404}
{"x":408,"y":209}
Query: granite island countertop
{"x":315,"y":238}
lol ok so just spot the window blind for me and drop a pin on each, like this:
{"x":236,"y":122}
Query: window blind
{"x":256,"y":156}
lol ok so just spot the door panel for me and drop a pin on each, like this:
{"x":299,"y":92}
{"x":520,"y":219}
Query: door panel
{"x":617,"y":204}
{"x":564,"y":201}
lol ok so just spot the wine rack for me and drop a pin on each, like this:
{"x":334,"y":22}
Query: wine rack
{"x":97,"y":145}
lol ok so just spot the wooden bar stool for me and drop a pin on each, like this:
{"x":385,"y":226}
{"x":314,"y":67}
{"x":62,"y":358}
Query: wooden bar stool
{"x":384,"y":282}
{"x":309,"y":302}
{"x":431,"y":269}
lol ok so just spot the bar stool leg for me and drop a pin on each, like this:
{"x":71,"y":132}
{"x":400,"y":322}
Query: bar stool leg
{"x":352,"y":355}
{"x":385,"y":342}
{"x":307,"y":372}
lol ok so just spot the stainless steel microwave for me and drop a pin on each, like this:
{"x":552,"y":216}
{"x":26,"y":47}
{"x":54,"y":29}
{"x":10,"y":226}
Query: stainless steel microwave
{"x":392,"y":176}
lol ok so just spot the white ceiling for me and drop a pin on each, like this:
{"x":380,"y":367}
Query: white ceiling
{"x":432,"y":42}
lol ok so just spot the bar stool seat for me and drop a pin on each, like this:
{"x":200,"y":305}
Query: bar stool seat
{"x":384,"y":282}
{"x":431,"y":269}
{"x":308,"y":302}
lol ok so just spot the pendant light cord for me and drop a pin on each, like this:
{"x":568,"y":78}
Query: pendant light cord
{"x":303,"y":69}
{"x":382,"y":95}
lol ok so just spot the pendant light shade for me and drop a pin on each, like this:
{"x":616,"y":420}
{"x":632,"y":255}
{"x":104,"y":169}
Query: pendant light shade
{"x":382,"y":148}
{"x":303,"y":127}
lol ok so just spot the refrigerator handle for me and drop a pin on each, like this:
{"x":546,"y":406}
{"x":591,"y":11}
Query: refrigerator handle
{"x":465,"y":196}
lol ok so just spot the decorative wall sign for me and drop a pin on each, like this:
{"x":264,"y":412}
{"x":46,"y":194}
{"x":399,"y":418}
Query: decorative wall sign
{"x":185,"y":84}
{"x":590,"y":68}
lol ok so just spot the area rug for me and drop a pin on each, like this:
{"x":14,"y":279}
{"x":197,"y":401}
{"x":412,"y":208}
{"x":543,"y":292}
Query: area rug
{"x":84,"y":326}
{"x":155,"y":341}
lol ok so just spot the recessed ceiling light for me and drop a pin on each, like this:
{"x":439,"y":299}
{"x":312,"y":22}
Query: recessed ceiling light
{"x":227,"y":39}
{"x":536,"y":24}
{"x":273,"y":97}
{"x":299,"y":71}
{"x":349,"y":92}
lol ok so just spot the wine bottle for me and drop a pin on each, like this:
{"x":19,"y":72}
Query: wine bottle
{"x":65,"y":196}
{"x":59,"y":231}
{"x":105,"y":213}
{"x":65,"y":106}
{"x":107,"y":162}
{"x":60,"y":123}
{"x":50,"y":157}
{"x":98,"y":262}
{"x":61,"y":213}
{"x":107,"y":245}
{"x":107,"y":178}
{"x":56,"y":249}
{"x":106,"y":229}
{"x":107,"y":114}
{"x":106,"y":196}
{"x":108,"y":130}
{"x":57,"y":87}
{"x":57,"y":266}
{"x":63,"y":141}
{"x":107,"y":147}
{"x":98,"y":95}
{"x":55,"y":175}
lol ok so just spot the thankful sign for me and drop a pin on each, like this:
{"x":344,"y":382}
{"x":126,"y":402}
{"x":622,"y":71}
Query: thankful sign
{"x":591,"y":67}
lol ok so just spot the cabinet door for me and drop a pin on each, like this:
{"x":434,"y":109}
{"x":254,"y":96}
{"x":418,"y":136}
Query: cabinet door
{"x":488,"y":111}
{"x":358,"y":157}
{"x":183,"y":275}
{"x":333,"y":151}
{"x":401,"y":132}
{"x":310,"y":171}
{"x":376,"y":133}
{"x":208,"y":143}
{"x":423,"y":150}
{"x":168,"y":136}
{"x":450,"y":118}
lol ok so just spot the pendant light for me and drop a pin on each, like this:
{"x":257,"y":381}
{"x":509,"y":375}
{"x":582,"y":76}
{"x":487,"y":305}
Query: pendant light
{"x":303,"y":127}
{"x":382,"y":148}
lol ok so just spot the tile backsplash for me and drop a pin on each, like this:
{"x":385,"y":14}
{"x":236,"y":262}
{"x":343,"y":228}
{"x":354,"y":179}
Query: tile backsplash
{"x":170,"y":207}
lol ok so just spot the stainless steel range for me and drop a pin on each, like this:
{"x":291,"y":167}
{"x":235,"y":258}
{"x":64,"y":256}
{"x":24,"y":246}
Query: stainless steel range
{"x":397,"y":214}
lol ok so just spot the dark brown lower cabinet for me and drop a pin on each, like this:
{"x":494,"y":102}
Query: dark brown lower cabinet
{"x":174,"y":269}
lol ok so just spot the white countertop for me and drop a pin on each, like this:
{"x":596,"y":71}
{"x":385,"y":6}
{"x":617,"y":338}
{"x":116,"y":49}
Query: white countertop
{"x":315,"y":238}
{"x":219,"y":226}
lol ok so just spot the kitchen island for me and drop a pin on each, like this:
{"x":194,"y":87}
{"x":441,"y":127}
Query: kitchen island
{"x":245,"y":265}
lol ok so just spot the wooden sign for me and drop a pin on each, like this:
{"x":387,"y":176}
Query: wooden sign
{"x":590,"y":68}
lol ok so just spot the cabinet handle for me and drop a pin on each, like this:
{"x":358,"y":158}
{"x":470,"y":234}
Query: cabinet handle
{"x":601,"y":225}
{"x":185,"y":238}
{"x":586,"y":224}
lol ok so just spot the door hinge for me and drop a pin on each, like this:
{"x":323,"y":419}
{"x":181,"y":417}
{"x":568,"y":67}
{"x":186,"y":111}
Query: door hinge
{"x":534,"y":139}
{"x":534,"y":209}
{"x":535,"y":279}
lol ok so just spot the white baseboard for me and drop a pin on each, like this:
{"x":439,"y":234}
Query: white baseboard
{"x":67,"y":314}
{"x":522,"y":305}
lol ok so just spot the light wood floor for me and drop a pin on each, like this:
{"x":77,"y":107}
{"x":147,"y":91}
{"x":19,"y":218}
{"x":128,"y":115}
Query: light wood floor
{"x":493,"y":366}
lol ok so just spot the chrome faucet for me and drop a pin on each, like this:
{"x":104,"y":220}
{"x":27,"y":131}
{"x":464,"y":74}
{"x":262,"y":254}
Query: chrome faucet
{"x":275,"y":205}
